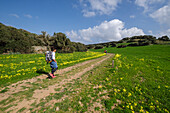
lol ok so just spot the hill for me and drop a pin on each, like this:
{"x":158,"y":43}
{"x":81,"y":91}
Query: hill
{"x":142,"y":40}
{"x":22,"y":41}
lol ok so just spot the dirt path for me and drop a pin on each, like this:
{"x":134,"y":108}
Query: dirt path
{"x":25,"y":95}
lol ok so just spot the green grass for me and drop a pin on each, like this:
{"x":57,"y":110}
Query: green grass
{"x":139,"y":82}
{"x":18,"y":67}
{"x":141,"y":77}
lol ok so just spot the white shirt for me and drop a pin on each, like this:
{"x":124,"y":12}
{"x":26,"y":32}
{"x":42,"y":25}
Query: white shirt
{"x":53,"y":55}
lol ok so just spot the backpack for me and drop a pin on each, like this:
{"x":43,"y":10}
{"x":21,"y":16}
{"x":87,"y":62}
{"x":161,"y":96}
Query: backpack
{"x":48,"y":56}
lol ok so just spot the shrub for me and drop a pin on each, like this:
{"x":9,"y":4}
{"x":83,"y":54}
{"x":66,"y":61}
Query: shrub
{"x":99,"y":47}
{"x":113,"y":45}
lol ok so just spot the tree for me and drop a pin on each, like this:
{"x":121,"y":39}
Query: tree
{"x":164,"y":38}
{"x":46,"y":38}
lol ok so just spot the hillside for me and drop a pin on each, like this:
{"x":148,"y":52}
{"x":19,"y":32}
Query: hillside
{"x":142,"y":40}
{"x":19,"y":40}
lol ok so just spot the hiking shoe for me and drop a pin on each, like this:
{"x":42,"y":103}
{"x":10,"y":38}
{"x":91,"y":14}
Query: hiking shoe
{"x":51,"y":75}
{"x":54,"y":76}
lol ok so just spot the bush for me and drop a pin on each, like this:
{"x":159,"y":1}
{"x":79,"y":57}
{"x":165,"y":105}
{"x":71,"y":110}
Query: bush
{"x":122,"y":46}
{"x":133,"y":44}
{"x":90,"y":46}
{"x":99,"y":47}
{"x":164,"y":38}
{"x":113,"y":45}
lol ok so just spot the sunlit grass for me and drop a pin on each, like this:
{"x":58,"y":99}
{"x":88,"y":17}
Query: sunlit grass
{"x":22,"y":66}
{"x":140,"y":79}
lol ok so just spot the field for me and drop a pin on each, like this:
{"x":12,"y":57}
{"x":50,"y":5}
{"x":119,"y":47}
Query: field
{"x":138,"y":82}
{"x":18,"y":67}
{"x":141,"y":78}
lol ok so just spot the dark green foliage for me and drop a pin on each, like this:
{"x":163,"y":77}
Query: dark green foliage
{"x":133,"y":44}
{"x":164,"y":38}
{"x":113,"y":45}
{"x":16,"y":40}
{"x":122,"y":46}
{"x":64,"y":45}
{"x":142,"y":40}
{"x":90,"y":46}
{"x":19,"y":40}
{"x":79,"y":46}
{"x":99,"y":47}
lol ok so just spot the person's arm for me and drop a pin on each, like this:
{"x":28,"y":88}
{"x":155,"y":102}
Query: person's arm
{"x":54,"y":60}
{"x":53,"y":57}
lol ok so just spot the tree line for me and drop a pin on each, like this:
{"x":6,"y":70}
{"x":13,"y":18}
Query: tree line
{"x":19,"y":40}
{"x":142,"y":40}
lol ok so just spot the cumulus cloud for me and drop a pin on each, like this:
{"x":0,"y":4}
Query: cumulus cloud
{"x":93,"y":7}
{"x":162,"y":15}
{"x":107,"y":31}
{"x":14,"y":15}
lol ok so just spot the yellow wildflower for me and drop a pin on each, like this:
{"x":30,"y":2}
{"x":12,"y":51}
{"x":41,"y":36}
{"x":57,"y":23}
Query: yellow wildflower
{"x":141,"y":59}
{"x":159,"y":87}
{"x":129,"y":94}
{"x":166,"y":111}
{"x":152,"y":107}
{"x":100,"y":87}
{"x":31,"y":62}
{"x":166,"y":86}
{"x":124,"y":90}
{"x":107,"y":79}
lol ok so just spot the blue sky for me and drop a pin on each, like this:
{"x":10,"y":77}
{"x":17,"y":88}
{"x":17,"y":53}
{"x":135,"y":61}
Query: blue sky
{"x":89,"y":21}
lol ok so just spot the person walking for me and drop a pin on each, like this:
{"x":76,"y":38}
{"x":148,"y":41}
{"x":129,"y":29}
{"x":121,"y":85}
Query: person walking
{"x":53,"y":64}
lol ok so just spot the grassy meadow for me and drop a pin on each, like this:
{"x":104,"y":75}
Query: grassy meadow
{"x":18,"y":67}
{"x":140,"y":79}
{"x":139,"y":82}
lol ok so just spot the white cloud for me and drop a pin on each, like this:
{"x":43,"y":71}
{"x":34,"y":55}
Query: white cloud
{"x":134,"y":31}
{"x":162,"y":15}
{"x":107,"y":31}
{"x":93,"y":7}
{"x":28,"y":15}
{"x":163,"y":33}
{"x":148,"y":4}
{"x":88,"y":13}
{"x":15,"y":15}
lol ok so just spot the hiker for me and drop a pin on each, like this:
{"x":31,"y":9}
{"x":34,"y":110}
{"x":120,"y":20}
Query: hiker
{"x":53,"y":64}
